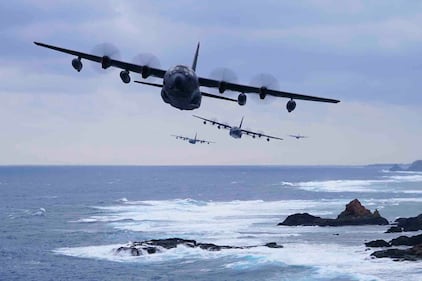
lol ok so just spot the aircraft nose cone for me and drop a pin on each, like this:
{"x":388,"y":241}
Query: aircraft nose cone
{"x":178,"y":82}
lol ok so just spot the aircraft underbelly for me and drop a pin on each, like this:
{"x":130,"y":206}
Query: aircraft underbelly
{"x":182,"y":101}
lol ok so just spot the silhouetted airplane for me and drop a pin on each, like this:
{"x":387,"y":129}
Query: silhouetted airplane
{"x":298,"y":136}
{"x":192,"y":141}
{"x":180,"y":86}
{"x":237,"y":132}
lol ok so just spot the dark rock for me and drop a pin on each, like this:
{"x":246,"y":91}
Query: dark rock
{"x":408,"y":224}
{"x":273,"y":245}
{"x":377,"y":243}
{"x":407,"y":241}
{"x":394,"y":229}
{"x":158,"y":245}
{"x":301,"y":219}
{"x":396,"y":168}
{"x":354,"y":214}
{"x":416,"y":166}
{"x":411,"y":254}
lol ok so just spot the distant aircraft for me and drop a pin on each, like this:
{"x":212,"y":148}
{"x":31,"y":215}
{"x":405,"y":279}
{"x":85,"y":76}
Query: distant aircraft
{"x":237,"y":132}
{"x":298,"y":136}
{"x":192,"y":141}
{"x":180,"y":86}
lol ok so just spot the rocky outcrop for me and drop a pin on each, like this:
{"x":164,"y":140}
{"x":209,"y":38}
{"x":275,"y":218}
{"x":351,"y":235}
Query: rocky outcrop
{"x":396,"y":168}
{"x":407,"y":224}
{"x":413,"y":253}
{"x":160,"y":245}
{"x":410,"y":254}
{"x":416,"y":166}
{"x":378,"y":244}
{"x":354,"y":214}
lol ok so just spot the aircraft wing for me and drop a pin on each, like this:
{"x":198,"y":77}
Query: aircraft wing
{"x":298,"y":136}
{"x":250,"y":133}
{"x":204,"y":141}
{"x":180,"y":137}
{"x":203,"y":93}
{"x":156,"y":72}
{"x":206,"y":82}
{"x":213,"y":122}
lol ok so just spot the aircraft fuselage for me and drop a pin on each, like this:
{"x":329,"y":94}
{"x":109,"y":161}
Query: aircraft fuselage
{"x":235,"y":132}
{"x":192,"y":141}
{"x":181,"y":88}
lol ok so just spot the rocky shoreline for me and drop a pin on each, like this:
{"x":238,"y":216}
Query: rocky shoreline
{"x":409,"y":254}
{"x":161,"y":245}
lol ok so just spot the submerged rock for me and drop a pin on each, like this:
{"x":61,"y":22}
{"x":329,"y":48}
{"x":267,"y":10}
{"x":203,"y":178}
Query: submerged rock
{"x":354,"y":214}
{"x":395,"y":168}
{"x":160,"y":245}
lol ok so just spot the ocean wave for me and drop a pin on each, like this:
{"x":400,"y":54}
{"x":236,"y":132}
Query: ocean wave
{"x":373,"y":185}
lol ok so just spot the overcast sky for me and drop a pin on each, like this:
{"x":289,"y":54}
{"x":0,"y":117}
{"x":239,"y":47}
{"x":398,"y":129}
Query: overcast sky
{"x":365,"y":53}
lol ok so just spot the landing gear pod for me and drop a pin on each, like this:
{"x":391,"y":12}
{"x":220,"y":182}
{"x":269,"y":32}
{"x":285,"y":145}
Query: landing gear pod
{"x":77,"y":64}
{"x":291,"y":105}
{"x":124,"y":75}
{"x":241,"y":99}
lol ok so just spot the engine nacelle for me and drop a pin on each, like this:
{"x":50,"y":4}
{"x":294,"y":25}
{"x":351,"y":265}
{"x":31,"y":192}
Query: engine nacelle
{"x":291,"y":105}
{"x":105,"y":62}
{"x":146,"y":72}
{"x":241,"y":99}
{"x":124,"y":75}
{"x":222,"y":86}
{"x":77,"y":64}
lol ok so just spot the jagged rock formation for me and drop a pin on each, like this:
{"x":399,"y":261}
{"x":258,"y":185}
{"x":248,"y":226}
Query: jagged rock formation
{"x":407,"y":224}
{"x":354,"y":214}
{"x":160,"y":245}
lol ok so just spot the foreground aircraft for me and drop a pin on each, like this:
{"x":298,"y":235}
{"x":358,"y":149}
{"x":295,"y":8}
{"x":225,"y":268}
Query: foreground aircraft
{"x":236,"y":132}
{"x":192,"y":141}
{"x":298,"y":136}
{"x":180,"y":86}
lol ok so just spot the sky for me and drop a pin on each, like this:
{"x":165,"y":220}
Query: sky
{"x":365,"y":53}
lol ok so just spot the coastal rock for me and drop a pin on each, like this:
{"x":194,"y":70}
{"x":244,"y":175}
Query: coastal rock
{"x":407,"y":224}
{"x":407,"y":241}
{"x":411,"y":254}
{"x":160,"y":245}
{"x":394,"y":229}
{"x":378,"y":244}
{"x":416,"y":166}
{"x":396,"y":168}
{"x":354,"y":214}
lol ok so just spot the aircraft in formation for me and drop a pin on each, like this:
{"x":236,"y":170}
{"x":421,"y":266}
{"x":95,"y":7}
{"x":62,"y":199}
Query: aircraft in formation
{"x":192,"y":140}
{"x":180,"y":86}
{"x":298,"y":136}
{"x":236,"y":131}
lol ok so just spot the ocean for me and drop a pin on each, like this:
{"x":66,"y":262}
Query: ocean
{"x":63,"y":222}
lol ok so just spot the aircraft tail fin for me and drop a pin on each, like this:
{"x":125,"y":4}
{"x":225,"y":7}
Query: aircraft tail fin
{"x":241,"y":121}
{"x":195,"y":135}
{"x":195,"y":59}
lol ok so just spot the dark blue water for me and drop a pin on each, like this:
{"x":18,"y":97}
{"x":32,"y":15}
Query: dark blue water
{"x":46,"y":209}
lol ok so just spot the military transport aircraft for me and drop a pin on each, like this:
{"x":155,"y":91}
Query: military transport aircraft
{"x":192,"y":141}
{"x":236,"y":132}
{"x":181,"y":85}
{"x":298,"y":136}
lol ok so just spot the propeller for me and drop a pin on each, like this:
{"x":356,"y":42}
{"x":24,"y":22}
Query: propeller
{"x":107,"y":51}
{"x":264,"y":81}
{"x":223,"y":75}
{"x":147,"y":60}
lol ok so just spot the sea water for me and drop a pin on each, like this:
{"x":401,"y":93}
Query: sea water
{"x":63,"y":223}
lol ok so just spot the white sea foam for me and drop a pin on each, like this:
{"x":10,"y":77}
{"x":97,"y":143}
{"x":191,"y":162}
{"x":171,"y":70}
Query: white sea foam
{"x":385,"y":184}
{"x":246,"y":223}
